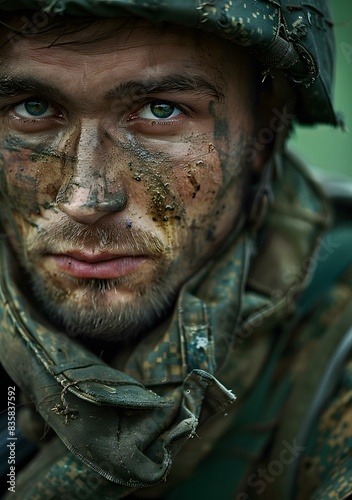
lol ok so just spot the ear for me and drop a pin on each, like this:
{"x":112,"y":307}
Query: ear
{"x":273,"y":117}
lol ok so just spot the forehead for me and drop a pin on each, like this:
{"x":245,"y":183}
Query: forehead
{"x":101,"y":36}
{"x":107,"y":41}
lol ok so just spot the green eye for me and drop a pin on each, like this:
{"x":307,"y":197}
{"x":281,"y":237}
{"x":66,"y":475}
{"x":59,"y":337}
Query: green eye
{"x":36,"y":108}
{"x":160,"y":110}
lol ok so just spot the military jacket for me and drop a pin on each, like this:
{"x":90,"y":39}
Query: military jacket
{"x":244,"y":393}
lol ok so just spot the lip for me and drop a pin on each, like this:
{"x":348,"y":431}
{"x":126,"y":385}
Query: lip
{"x":98,"y":266}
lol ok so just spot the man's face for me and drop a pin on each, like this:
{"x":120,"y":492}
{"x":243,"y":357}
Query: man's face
{"x":122,"y":167}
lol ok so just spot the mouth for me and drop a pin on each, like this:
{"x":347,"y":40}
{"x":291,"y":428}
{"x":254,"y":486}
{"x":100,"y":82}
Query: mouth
{"x":97,"y":266}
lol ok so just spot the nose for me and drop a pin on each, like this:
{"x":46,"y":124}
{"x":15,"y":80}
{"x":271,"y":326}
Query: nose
{"x":86,"y":204}
{"x":91,"y":187}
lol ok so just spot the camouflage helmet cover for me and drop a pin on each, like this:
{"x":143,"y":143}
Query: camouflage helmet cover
{"x":294,"y":36}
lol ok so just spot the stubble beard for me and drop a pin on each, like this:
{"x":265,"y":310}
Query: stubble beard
{"x":86,"y":307}
{"x":98,"y":320}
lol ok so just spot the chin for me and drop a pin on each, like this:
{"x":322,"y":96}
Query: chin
{"x":105,"y":310}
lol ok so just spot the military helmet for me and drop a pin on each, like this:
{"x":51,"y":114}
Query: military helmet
{"x":289,"y":35}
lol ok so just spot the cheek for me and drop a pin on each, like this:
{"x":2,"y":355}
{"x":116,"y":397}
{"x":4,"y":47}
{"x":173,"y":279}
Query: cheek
{"x":18,"y":181}
{"x":24,"y":192}
{"x":183,"y":181}
{"x":198,"y":184}
{"x":209,"y":200}
{"x":151,"y":185}
{"x":203,"y":177}
{"x":26,"y":183}
{"x":210,"y":189}
{"x":179,"y":193}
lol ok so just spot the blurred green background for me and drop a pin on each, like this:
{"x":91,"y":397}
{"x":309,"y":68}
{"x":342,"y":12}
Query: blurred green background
{"x":324,"y":146}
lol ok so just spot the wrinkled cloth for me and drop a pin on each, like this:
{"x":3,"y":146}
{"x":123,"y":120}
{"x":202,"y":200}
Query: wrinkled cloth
{"x":70,"y":385}
{"x":325,"y":470}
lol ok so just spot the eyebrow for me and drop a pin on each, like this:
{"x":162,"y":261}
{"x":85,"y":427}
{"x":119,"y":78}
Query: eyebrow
{"x":12,"y":86}
{"x":170,"y":83}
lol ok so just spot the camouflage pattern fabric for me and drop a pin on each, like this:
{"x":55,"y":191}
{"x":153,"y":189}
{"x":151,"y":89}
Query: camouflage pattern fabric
{"x":174,"y":382}
{"x":313,"y":464}
{"x":326,"y":470}
{"x":292,"y":436}
{"x":289,"y":35}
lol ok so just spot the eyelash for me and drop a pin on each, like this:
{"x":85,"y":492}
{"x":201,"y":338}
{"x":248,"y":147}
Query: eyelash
{"x":34,"y":117}
{"x":139,"y":106}
{"x":10,"y":108}
{"x":143,"y":105}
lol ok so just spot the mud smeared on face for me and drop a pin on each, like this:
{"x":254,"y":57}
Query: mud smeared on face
{"x":113,"y":197}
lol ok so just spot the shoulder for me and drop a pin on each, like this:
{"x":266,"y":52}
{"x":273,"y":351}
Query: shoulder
{"x":325,"y":471}
{"x":323,"y":330}
{"x":333,"y":255}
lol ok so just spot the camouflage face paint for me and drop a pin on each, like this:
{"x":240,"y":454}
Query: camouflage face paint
{"x":123,"y":170}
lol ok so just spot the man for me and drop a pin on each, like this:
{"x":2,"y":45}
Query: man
{"x":158,"y":239}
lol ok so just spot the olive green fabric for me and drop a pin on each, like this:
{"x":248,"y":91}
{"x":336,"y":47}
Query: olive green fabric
{"x":290,"y":35}
{"x":326,"y":471}
{"x":292,"y":437}
{"x":128,"y":427}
